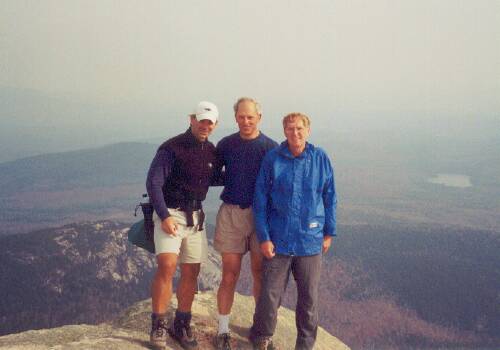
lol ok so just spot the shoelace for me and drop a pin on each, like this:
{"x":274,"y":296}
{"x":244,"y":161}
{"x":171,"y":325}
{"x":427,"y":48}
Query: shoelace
{"x":188,"y":331}
{"x":159,"y":332}
{"x":161,"y":328}
{"x":265,"y":343}
{"x":226,"y":339}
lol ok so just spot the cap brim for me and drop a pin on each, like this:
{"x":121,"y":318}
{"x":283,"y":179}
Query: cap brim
{"x":207,"y":116}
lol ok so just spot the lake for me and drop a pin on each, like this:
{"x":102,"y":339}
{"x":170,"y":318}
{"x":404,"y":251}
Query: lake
{"x":451,"y":180}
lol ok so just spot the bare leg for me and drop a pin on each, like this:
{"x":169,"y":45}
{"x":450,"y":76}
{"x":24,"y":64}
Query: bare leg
{"x":161,"y":287}
{"x":231,"y":266}
{"x":187,"y":286}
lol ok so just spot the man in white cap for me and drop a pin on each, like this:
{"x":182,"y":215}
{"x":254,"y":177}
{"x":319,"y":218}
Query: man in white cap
{"x":177,"y":183}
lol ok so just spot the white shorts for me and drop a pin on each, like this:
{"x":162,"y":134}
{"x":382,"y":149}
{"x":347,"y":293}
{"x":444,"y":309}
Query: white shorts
{"x":189,"y":244}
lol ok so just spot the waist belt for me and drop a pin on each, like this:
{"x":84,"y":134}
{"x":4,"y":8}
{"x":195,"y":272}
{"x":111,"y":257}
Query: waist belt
{"x":189,"y":217}
{"x":241,"y":206}
{"x":192,"y":204}
{"x":189,"y":207}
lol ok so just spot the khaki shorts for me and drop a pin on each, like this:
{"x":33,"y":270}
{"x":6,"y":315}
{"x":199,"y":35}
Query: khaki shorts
{"x":189,"y":244}
{"x":235,"y":230}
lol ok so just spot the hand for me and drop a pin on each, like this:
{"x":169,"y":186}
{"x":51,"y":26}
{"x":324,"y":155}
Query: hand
{"x":327,"y":242}
{"x":267,"y":249}
{"x":169,"y":226}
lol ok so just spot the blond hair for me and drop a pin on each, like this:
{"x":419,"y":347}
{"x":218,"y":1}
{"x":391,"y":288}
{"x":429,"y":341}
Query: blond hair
{"x":296,"y":115}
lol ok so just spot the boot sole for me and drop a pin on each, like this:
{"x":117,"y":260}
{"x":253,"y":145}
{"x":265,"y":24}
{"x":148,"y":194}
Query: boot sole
{"x":184,"y":346}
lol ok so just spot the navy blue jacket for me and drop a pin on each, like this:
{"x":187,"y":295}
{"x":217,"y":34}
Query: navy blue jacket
{"x":181,"y":171}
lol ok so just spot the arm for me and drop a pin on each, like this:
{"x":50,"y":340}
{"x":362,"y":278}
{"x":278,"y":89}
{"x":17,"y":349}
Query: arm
{"x":218,"y":174}
{"x":160,"y":168}
{"x":267,"y":246}
{"x":329,"y":201}
{"x":261,"y":199}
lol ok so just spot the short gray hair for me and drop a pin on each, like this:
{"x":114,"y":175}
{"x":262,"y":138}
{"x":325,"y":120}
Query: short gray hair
{"x":258,"y":108}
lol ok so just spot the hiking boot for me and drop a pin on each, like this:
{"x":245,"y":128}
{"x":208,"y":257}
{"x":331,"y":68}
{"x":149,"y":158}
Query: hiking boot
{"x":158,"y":334}
{"x":271,"y":346}
{"x":264,"y":343}
{"x":222,"y":341}
{"x":183,"y":334}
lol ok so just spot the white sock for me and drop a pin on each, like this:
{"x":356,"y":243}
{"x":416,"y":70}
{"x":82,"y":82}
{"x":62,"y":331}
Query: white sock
{"x":223,"y":324}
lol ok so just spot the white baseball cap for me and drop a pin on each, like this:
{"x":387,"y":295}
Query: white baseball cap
{"x":206,"y":110}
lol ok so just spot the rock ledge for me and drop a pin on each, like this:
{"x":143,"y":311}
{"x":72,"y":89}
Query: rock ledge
{"x":131,"y":330}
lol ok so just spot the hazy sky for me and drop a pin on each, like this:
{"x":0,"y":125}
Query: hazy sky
{"x":331,"y":59}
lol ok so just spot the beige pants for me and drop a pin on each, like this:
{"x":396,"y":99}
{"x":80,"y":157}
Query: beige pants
{"x":189,"y":244}
{"x":235,"y":230}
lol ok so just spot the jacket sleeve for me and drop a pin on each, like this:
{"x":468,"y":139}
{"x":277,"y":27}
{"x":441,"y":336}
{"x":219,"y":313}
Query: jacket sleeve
{"x":261,"y":204}
{"x":329,"y":201}
{"x":218,"y":172}
{"x":160,"y":169}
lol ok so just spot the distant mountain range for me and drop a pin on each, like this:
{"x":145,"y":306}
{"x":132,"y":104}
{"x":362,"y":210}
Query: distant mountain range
{"x":59,"y":188}
{"x":376,"y":182}
{"x":35,"y":122}
{"x":108,"y":166}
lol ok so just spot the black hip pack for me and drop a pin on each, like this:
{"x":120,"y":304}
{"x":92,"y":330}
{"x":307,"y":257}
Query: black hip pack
{"x":147,"y":211}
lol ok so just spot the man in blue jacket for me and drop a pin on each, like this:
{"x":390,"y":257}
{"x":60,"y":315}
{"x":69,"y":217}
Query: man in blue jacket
{"x":294,"y":209}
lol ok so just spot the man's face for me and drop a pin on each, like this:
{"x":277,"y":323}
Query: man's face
{"x":296,"y":133}
{"x":202,"y":128}
{"x":248,"y":120}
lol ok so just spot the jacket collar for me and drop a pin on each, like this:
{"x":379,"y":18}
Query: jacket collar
{"x":190,"y":139}
{"x":283,"y":150}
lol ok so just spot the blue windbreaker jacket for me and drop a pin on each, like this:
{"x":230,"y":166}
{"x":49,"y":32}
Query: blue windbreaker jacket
{"x":295,"y":202}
